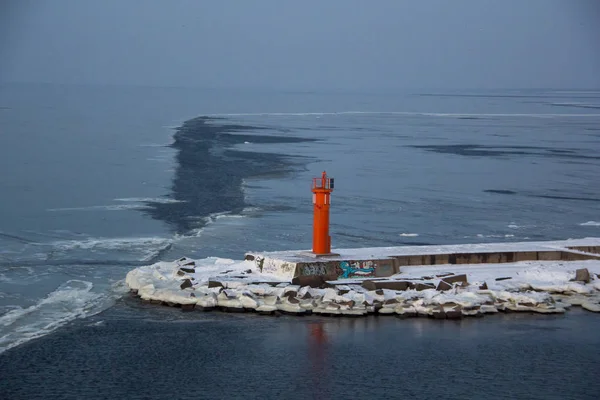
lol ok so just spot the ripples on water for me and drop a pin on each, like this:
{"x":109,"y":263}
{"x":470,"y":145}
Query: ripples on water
{"x":141,"y":352}
{"x":410,"y":169}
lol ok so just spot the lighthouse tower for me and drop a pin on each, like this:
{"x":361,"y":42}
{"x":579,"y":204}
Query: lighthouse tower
{"x":321,"y":188}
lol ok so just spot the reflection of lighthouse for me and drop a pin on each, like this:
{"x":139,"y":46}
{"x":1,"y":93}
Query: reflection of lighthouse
{"x":317,"y":351}
{"x":321,"y":188}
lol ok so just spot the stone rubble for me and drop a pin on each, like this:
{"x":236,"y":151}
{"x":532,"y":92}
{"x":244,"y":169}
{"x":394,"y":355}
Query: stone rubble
{"x":452,"y":298}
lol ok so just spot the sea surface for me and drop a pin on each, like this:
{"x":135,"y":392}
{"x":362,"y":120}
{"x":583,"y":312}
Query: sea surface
{"x":96,"y":180}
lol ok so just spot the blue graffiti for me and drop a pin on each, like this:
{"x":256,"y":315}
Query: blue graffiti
{"x":349,"y":269}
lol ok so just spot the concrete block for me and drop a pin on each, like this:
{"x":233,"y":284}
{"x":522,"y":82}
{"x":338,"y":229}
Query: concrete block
{"x":313,"y":281}
{"x":456,"y":278}
{"x":424,"y":286}
{"x":549,"y":255}
{"x":525,"y":256}
{"x":440,"y":259}
{"x":384,"y":269}
{"x":186,"y":284}
{"x":443,"y":286}
{"x":582,"y":275}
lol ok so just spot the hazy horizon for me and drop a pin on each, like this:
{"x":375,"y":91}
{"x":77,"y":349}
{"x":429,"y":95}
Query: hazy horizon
{"x":309,"y":46}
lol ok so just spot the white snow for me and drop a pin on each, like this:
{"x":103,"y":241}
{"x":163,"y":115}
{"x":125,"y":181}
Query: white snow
{"x":373,"y":253}
{"x":538,"y":286}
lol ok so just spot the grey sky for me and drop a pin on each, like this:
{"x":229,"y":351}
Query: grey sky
{"x":339,"y":44}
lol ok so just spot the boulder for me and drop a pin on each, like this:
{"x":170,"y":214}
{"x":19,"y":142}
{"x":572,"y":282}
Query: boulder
{"x":392,"y":285}
{"x":349,"y":303}
{"x":443,"y":285}
{"x":424,"y":286}
{"x":483,"y":286}
{"x":187,"y":270}
{"x":187,"y":307}
{"x":189,"y":264}
{"x":186,"y":284}
{"x":438,"y":313}
{"x":462,"y":278}
{"x":406,"y":312}
{"x":454,"y":313}
{"x":582,"y":275}
{"x":291,"y":297}
{"x":212,"y":284}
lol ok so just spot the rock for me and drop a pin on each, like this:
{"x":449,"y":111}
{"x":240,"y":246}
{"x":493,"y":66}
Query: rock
{"x":187,"y":307}
{"x":189,"y":264}
{"x":187,"y":270}
{"x":456,"y":278}
{"x":472,"y":311}
{"x":484,"y":286}
{"x":314,"y":281}
{"x":392,"y":285}
{"x":349,"y":303}
{"x":443,"y":285}
{"x":444,"y":275}
{"x":504,"y":278}
{"x":369,"y":285}
{"x":454,"y":313}
{"x":180,"y":273}
{"x":212,"y":284}
{"x":424,"y":286}
{"x":248,"y":271}
{"x":292,"y":298}
{"x":582,"y":275}
{"x":186,"y":284}
{"x":406,"y":312}
{"x":438,"y":313}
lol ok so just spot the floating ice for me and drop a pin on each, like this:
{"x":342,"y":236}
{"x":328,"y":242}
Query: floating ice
{"x":590,"y":223}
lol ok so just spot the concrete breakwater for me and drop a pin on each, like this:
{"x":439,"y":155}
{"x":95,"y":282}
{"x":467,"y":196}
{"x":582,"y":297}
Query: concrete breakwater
{"x":543,"y":277}
{"x":381,"y":262}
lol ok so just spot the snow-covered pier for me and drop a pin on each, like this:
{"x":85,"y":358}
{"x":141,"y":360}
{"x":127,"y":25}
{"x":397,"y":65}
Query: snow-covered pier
{"x":437,"y":281}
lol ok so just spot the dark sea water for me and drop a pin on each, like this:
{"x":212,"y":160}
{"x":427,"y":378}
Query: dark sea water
{"x":98,"y":180}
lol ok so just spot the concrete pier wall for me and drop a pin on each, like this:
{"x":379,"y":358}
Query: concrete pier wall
{"x":384,"y":262}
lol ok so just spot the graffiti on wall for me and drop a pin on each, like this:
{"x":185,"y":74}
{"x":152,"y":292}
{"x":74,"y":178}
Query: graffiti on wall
{"x":314,"y":269}
{"x":355,"y":269}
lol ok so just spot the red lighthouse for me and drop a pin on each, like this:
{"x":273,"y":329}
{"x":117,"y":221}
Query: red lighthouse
{"x":321,"y":188}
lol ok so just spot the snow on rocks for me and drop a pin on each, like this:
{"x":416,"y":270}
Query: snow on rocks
{"x":441,"y":291}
